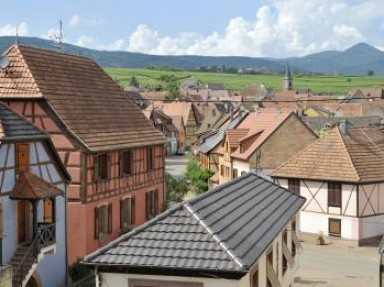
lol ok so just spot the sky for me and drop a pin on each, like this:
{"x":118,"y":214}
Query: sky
{"x":257,"y":28}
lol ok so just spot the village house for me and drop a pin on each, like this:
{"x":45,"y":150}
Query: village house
{"x":178,"y":122}
{"x":190,"y":113}
{"x":264,"y":140}
{"x":342,"y":177}
{"x":242,"y":233}
{"x":114,"y":155}
{"x":165,"y":125}
{"x":33,"y":186}
{"x":208,"y":150}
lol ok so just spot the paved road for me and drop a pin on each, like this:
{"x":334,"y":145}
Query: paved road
{"x":337,"y":265}
{"x":176,"y":165}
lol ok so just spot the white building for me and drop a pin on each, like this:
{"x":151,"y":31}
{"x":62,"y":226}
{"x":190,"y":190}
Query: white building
{"x":242,"y":233}
{"x":32,"y":203}
{"x":342,"y":177}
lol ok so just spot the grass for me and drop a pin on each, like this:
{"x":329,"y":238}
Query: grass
{"x":318,"y":84}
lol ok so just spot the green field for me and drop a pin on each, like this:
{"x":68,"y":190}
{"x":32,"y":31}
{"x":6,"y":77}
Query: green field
{"x":323,"y":84}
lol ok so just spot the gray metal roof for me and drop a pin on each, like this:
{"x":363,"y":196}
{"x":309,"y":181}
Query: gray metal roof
{"x":226,"y":229}
{"x":14,"y":125}
{"x":214,"y":140}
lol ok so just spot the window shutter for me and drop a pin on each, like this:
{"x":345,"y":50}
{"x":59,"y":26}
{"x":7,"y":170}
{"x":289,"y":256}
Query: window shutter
{"x":147,"y":205}
{"x":109,"y":165}
{"x":110,"y":218}
{"x":96,"y":167}
{"x":156,"y":201}
{"x":121,"y":163}
{"x":121,"y":213}
{"x":97,"y":222}
{"x":133,"y":211}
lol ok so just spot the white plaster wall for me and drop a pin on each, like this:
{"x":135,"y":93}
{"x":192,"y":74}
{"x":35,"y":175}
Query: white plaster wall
{"x":349,"y":199}
{"x":371,"y":199}
{"x":372,"y":226}
{"x":117,"y":279}
{"x":319,"y":190}
{"x":240,"y":166}
{"x":312,"y":222}
{"x":282,"y":182}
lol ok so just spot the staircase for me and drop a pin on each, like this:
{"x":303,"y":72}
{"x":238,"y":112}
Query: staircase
{"x":22,"y":262}
{"x":25,"y":260}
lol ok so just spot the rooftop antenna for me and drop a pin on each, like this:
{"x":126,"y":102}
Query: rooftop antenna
{"x":59,"y":38}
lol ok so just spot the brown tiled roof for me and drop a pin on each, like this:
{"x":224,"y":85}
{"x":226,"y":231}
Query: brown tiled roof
{"x":263,"y":123}
{"x":86,"y":99}
{"x":357,"y":156}
{"x":29,"y":186}
{"x":178,"y":109}
{"x":234,"y":136}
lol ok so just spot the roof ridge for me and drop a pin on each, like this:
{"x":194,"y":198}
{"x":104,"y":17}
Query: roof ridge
{"x":221,"y":242}
{"x":347,"y":151}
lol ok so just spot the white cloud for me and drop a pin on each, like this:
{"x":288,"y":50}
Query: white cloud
{"x":51,"y":34}
{"x":348,"y":31}
{"x":118,"y":45}
{"x":84,"y":41}
{"x":280,"y":28}
{"x":10,"y":30}
{"x":76,"y":20}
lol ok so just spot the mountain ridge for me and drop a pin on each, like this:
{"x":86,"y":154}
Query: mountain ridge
{"x":354,"y":61}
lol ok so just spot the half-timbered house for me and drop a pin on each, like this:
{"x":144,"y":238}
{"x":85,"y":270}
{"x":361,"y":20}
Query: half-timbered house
{"x":263,"y":141}
{"x":114,"y":155}
{"x":240,"y":234}
{"x":33,"y":184}
{"x":342,"y":177}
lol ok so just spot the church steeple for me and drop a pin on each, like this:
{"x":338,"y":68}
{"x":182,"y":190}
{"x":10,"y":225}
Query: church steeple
{"x":287,"y":80}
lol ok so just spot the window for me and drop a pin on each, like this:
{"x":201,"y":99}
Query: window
{"x":243,"y":172}
{"x":234,"y":173}
{"x":22,"y":157}
{"x":221,"y":170}
{"x":126,"y":162}
{"x":49,"y":211}
{"x":334,"y":226}
{"x":103,"y":166}
{"x":151,"y":203}
{"x":150,"y":159}
{"x":294,"y":185}
{"x":334,"y":194}
{"x":103,"y":220}
{"x":127,"y":213}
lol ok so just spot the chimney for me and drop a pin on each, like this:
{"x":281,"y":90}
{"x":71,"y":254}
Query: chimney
{"x":343,"y":127}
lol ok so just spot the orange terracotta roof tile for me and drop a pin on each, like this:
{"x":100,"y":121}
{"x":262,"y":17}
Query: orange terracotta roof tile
{"x":234,"y":136}
{"x":262,"y":123}
{"x":87,"y":100}
{"x":29,"y":186}
{"x":357,"y":156}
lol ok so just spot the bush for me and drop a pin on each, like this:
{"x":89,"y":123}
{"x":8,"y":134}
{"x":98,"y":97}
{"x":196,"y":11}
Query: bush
{"x":198,"y":178}
{"x":176,"y":188}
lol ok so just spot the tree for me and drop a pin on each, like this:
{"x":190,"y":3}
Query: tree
{"x":176,"y":188}
{"x":134,"y":82}
{"x":370,"y":73}
{"x":198,"y":178}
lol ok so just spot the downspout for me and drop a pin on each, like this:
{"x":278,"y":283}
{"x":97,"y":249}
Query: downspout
{"x":66,"y":232}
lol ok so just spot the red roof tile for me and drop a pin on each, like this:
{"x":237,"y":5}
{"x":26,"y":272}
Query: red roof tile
{"x":262,"y":123}
{"x":29,"y":186}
